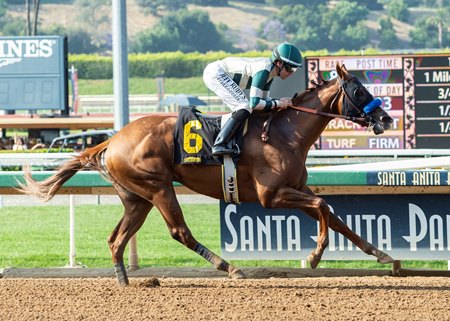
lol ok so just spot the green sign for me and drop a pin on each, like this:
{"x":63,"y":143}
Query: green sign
{"x":33,"y":73}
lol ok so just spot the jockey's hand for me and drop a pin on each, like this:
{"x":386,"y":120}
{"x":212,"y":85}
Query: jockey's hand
{"x":284,"y":103}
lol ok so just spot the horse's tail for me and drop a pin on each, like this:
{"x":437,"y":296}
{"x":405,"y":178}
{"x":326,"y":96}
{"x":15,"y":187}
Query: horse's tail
{"x":46,"y":189}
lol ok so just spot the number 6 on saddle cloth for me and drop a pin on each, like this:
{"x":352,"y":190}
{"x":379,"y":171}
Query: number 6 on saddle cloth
{"x":194,"y":137}
{"x":195,"y":133}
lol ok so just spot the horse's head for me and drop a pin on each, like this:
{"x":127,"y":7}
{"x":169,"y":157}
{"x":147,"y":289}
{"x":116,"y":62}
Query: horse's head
{"x":358,"y":103}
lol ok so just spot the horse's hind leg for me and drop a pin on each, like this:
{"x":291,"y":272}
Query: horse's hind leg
{"x":170,"y":209}
{"x":135,"y":213}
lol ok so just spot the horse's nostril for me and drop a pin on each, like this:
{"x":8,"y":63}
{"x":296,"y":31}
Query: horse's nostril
{"x":387,"y":119}
{"x":387,"y":122}
{"x":378,"y":129}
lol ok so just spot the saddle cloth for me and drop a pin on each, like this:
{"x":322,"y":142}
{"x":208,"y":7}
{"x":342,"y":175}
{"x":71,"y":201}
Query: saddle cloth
{"x":194,"y":137}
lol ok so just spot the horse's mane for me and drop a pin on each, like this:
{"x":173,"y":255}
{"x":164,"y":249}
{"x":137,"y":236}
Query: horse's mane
{"x":299,"y":97}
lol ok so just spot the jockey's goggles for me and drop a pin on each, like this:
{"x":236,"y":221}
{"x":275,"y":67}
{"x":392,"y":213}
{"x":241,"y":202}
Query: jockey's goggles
{"x":290,"y":68}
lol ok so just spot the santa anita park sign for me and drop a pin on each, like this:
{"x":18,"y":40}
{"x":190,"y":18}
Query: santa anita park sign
{"x":406,"y":226}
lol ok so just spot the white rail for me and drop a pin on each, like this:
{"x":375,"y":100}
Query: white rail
{"x":395,"y":153}
{"x":434,"y":162}
{"x":315,"y":157}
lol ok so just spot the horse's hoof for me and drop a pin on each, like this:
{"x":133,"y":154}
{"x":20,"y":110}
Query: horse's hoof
{"x":236,"y":274}
{"x":384,"y":258}
{"x":313,"y":260}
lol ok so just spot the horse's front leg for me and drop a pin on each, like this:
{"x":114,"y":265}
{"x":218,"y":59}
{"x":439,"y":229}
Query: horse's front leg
{"x":338,"y":226}
{"x":288,"y":197}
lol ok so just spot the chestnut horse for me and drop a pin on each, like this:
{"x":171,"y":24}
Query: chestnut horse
{"x":138,"y":160}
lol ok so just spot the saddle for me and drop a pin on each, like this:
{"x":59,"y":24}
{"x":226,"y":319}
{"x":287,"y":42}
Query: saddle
{"x":194,"y":137}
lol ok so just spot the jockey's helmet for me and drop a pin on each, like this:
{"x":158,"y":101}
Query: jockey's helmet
{"x":288,"y":54}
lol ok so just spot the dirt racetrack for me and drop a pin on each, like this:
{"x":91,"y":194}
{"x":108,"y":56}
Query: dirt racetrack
{"x":321,"y":298}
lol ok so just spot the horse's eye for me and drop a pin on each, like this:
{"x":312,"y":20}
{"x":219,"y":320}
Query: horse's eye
{"x":360,"y":93}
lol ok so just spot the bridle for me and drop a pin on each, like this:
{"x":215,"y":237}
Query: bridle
{"x":342,"y":89}
{"x":349,"y":106}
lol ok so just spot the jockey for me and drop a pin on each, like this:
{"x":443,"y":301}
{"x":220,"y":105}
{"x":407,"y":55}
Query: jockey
{"x":230,"y":76}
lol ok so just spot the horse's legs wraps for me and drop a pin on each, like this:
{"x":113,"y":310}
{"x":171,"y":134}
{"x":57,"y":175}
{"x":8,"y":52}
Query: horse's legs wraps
{"x":121,"y":273}
{"x":218,"y":262}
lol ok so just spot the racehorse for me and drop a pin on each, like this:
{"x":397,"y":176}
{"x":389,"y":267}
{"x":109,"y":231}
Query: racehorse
{"x":138,"y":160}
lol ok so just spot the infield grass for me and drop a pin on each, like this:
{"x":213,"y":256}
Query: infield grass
{"x":144,"y":86}
{"x":38,"y":236}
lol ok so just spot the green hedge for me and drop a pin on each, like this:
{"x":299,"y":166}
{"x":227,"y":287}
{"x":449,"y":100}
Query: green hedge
{"x":173,"y":64}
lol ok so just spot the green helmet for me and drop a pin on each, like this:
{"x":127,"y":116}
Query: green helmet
{"x":287,"y":53}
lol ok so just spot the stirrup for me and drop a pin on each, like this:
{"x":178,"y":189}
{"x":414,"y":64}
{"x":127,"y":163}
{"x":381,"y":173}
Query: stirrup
{"x":223,"y":150}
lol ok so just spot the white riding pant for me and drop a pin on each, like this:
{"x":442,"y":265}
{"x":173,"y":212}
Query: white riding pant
{"x":220,"y":83}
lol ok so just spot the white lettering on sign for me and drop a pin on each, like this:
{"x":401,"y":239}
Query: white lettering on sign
{"x":277,"y":233}
{"x":420,"y":228}
{"x":426,"y":178}
{"x":385,"y":89}
{"x":340,"y":143}
{"x":391,"y":178}
{"x":26,"y":48}
{"x":342,"y":124}
{"x":384,"y":142}
{"x":256,"y":233}
{"x":361,"y":225}
{"x":366,"y":63}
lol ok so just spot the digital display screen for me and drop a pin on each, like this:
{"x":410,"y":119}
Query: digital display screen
{"x":415,"y":91}
{"x":33,"y":73}
{"x":432,"y":103}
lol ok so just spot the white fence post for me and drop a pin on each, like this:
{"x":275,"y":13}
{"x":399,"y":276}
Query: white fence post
{"x":303,"y":264}
{"x":132,"y":254}
{"x":72,"y":253}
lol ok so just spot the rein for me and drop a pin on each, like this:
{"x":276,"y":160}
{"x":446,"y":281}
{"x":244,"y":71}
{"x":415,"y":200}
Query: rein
{"x":266,"y":126}
{"x":331,"y":115}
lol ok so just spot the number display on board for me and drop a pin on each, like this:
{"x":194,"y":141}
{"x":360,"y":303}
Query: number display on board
{"x":414,"y":89}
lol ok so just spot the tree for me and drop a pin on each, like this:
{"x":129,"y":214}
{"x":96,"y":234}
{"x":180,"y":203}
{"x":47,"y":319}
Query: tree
{"x":32,"y":12}
{"x":79,"y":41}
{"x":388,"y":37}
{"x":187,"y":31}
{"x":397,"y":9}
{"x":159,"y":39}
{"x":273,"y":31}
{"x":305,"y":3}
{"x":95,"y":20}
{"x":316,"y":26}
{"x":346,"y":25}
{"x":304,"y":24}
{"x":370,"y":4}
{"x":212,"y":3}
{"x":426,"y":34}
{"x":153,"y":6}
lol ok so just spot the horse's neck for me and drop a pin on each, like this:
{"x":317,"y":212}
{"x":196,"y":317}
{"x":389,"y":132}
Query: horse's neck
{"x":309,"y":126}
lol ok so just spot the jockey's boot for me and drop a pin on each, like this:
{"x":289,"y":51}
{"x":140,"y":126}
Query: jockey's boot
{"x":222,"y":142}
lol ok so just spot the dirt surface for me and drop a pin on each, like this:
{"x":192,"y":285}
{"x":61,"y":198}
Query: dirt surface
{"x":323,"y":298}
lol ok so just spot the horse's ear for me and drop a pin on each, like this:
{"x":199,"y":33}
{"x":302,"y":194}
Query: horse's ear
{"x":341,"y":70}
